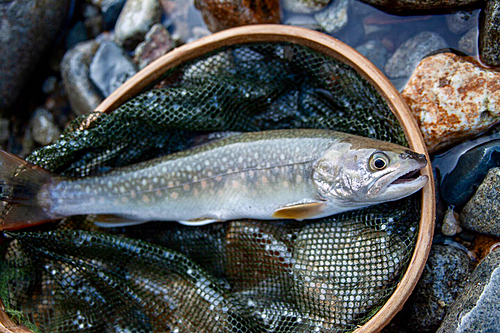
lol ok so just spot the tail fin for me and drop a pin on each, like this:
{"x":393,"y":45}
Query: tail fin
{"x":20,"y":184}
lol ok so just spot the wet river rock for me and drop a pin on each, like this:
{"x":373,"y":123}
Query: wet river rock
{"x":453,"y":98}
{"x":489,"y":38}
{"x":477,"y":308}
{"x":223,"y":14}
{"x":27,"y":28}
{"x":482,"y":212}
{"x":443,"y":278}
{"x":419,"y":6}
{"x":82,"y":94}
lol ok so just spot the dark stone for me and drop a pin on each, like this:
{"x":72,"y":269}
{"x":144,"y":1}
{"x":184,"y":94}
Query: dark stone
{"x":110,"y":68}
{"x":27,"y":28}
{"x":482,"y":212}
{"x":462,"y":169}
{"x":477,"y":308}
{"x":414,"y":7}
{"x":489,"y":37}
{"x":76,"y":35}
{"x":442,"y":280}
{"x":111,"y":9}
{"x":82,"y":94}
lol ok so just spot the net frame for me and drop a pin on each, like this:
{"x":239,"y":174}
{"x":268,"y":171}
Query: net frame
{"x":330,"y":47}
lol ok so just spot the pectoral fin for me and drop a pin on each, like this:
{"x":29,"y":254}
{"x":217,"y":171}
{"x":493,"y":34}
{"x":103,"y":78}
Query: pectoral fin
{"x":299,"y":211}
{"x":112,"y":221}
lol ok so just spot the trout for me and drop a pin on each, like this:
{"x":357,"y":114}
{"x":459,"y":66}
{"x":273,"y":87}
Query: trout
{"x":281,"y":174}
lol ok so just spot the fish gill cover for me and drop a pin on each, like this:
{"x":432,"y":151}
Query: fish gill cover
{"x":328,"y":275}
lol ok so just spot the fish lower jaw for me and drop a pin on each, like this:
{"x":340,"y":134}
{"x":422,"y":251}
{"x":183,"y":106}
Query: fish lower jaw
{"x":403,"y":188}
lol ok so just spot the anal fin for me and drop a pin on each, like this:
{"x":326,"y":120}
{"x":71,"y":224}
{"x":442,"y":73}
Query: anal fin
{"x":113,"y":221}
{"x":299,"y":211}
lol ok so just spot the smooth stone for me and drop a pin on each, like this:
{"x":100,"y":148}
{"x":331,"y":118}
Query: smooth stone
{"x":468,"y":42}
{"x":462,"y":21}
{"x":44,"y":130}
{"x":157,"y":43}
{"x":450,"y":226}
{"x":305,"y":6}
{"x":27,"y":28}
{"x":304,"y":21}
{"x":375,"y":51}
{"x":110,"y":68}
{"x":461,"y":169}
{"x":482,"y":212}
{"x":410,"y":53}
{"x":4,"y":130}
{"x":453,"y":98}
{"x":49,"y":85}
{"x":219,"y":15}
{"x":477,"y":308}
{"x":93,"y":20}
{"x":334,"y":17}
{"x":111,"y":10}
{"x":489,"y":38}
{"x":82,"y":94}
{"x":414,"y":7}
{"x":442,"y":280}
{"x":135,"y":20}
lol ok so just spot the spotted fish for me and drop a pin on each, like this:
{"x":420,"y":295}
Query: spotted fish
{"x":281,"y":174}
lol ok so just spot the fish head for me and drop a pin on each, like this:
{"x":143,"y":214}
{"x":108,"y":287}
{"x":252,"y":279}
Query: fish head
{"x":360,"y":172}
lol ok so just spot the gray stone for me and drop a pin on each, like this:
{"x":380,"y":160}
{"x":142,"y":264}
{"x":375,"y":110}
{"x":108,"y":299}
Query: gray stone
{"x":4,"y":130}
{"x":157,"y":43}
{"x":305,"y":6}
{"x":82,"y":94}
{"x":489,"y":38}
{"x":462,"y":21}
{"x":304,"y":21}
{"x":375,"y":51}
{"x":406,"y":58}
{"x":477,"y":308}
{"x":26,"y":29}
{"x":44,"y":130}
{"x":135,"y":20}
{"x":450,"y":226}
{"x":420,"y":6}
{"x":482,"y":212}
{"x":334,"y":17}
{"x":468,"y":42}
{"x":442,"y":280}
{"x":94,"y":21}
{"x":110,"y":68}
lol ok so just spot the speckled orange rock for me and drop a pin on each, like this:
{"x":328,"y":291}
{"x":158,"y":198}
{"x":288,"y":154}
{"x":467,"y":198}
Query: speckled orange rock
{"x":452,"y":98}
{"x":224,"y":14}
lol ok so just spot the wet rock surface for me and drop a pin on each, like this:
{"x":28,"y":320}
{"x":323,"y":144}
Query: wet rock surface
{"x":468,"y":42}
{"x":489,"y":39}
{"x":82,"y":94}
{"x":219,"y":15}
{"x":477,"y":308}
{"x":424,"y":6}
{"x":44,"y":130}
{"x":157,"y":43}
{"x":334,"y":17}
{"x":462,"y":21}
{"x":409,"y":54}
{"x":305,"y":6}
{"x":135,"y":20}
{"x":375,"y":52}
{"x":482,"y":212}
{"x":443,"y":278}
{"x":452,"y":98}
{"x":26,"y":30}
{"x":110,"y":68}
{"x":462,"y":169}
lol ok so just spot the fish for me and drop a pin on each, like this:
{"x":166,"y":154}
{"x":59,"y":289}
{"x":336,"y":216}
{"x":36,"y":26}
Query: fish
{"x":279,"y":174}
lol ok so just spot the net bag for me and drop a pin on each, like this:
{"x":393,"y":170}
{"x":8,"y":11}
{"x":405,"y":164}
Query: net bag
{"x":342,"y":273}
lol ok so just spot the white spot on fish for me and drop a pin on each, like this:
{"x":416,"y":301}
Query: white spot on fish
{"x":144,"y":182}
{"x":240,"y":159}
{"x":122,"y":189}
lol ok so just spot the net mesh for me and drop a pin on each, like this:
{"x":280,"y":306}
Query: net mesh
{"x":327,"y":275}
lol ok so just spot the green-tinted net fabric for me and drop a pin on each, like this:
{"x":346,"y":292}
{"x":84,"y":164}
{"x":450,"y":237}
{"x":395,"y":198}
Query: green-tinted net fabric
{"x":325,"y":275}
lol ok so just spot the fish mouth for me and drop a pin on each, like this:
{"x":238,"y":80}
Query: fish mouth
{"x":407,"y":177}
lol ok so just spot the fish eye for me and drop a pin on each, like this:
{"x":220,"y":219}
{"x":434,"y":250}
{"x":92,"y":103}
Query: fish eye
{"x":379,"y":161}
